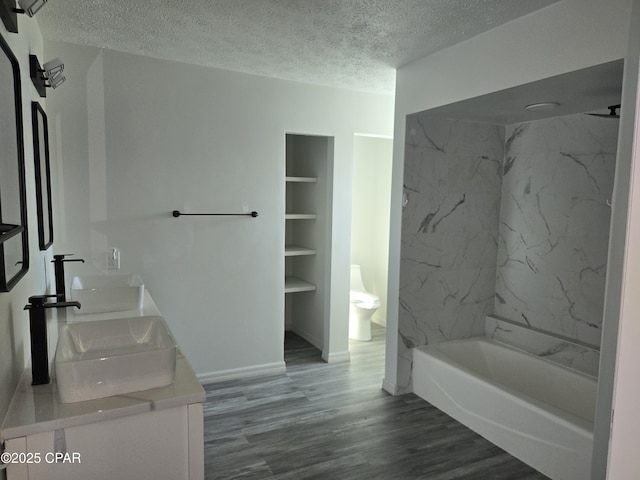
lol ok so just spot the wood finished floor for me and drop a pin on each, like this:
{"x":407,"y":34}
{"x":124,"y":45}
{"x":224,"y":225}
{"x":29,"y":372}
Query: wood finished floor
{"x":333,"y":421}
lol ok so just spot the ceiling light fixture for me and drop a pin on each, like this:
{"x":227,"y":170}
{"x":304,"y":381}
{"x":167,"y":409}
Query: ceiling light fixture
{"x":542,"y":106}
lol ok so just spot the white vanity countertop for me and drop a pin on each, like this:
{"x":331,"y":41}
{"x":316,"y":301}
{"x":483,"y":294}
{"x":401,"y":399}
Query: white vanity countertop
{"x":36,"y":409}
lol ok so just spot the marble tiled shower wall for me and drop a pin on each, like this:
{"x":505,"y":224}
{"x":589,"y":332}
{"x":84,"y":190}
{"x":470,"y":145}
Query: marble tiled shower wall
{"x":554,"y":224}
{"x":511,"y":221}
{"x":452,"y":179}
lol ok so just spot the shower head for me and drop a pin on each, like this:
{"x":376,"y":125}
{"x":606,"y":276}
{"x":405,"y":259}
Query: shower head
{"x":612,"y":112}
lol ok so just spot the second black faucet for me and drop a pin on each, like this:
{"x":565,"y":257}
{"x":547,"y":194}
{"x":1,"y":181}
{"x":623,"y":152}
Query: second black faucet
{"x":58,"y":263}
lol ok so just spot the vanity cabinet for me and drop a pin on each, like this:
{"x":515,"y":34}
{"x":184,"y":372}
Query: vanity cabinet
{"x":152,"y":445}
{"x":146,"y":435}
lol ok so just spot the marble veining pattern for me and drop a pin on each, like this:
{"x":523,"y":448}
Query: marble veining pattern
{"x":554,"y":224}
{"x":449,"y":232}
{"x":557,"y":350}
{"x":510,"y":221}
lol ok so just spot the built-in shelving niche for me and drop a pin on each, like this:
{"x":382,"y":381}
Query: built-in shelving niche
{"x":309,"y":161}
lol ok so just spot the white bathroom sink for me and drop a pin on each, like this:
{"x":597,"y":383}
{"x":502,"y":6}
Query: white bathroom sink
{"x":107,"y":293}
{"x":114,"y":357}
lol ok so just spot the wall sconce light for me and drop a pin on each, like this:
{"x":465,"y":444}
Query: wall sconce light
{"x":8,"y":12}
{"x":56,"y":81}
{"x":49,"y":75}
{"x":53,"y":68}
{"x":9,"y":15}
{"x":53,"y":72}
{"x":30,"y":7}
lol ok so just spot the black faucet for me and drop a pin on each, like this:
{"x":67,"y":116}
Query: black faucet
{"x":58,"y":263}
{"x":39,"y":341}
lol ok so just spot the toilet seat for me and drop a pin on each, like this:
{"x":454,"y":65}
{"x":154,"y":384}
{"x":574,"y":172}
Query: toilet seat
{"x":362,"y":306}
{"x":364,"y":300}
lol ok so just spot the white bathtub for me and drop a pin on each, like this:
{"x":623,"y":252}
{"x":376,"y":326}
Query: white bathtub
{"x":538,"y":411}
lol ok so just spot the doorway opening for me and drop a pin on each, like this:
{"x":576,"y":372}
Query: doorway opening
{"x":370,"y":214}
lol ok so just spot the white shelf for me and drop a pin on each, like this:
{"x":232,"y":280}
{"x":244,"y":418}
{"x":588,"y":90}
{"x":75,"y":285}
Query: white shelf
{"x":300,"y":216}
{"x":296,"y":250}
{"x":301,"y":179}
{"x":294,"y":284}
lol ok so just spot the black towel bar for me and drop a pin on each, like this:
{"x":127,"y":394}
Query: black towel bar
{"x":178,"y":213}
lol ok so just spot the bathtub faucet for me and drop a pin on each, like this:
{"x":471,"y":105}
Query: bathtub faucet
{"x":58,"y":263}
{"x":39,"y":340}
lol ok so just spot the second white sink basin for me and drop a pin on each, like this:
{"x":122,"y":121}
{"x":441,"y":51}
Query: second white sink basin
{"x":107,"y":293}
{"x":114,"y":357}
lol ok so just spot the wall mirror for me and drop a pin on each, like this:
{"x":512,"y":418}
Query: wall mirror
{"x":14,"y":245}
{"x":43,"y":175}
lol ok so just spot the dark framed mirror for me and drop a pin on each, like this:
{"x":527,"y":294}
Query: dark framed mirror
{"x":43,"y":175}
{"x":14,"y":243}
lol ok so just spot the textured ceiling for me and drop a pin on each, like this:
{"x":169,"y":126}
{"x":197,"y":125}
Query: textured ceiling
{"x":354,"y":44}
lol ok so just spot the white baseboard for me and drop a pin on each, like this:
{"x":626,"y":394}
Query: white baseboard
{"x":308,"y":337}
{"x":389,"y":387}
{"x":244,"y":372}
{"x":336,"y":357}
{"x":329,"y":357}
{"x":382,"y":321}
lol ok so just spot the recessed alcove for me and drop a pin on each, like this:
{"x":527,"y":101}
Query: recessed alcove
{"x":509,"y":214}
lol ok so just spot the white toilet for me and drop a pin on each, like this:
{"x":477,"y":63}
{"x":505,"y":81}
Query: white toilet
{"x":363,"y":305}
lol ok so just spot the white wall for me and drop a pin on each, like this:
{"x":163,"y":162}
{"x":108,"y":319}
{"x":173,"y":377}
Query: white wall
{"x":14,"y":321}
{"x":135,"y":138}
{"x":620,"y":373}
{"x":372,"y":159}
